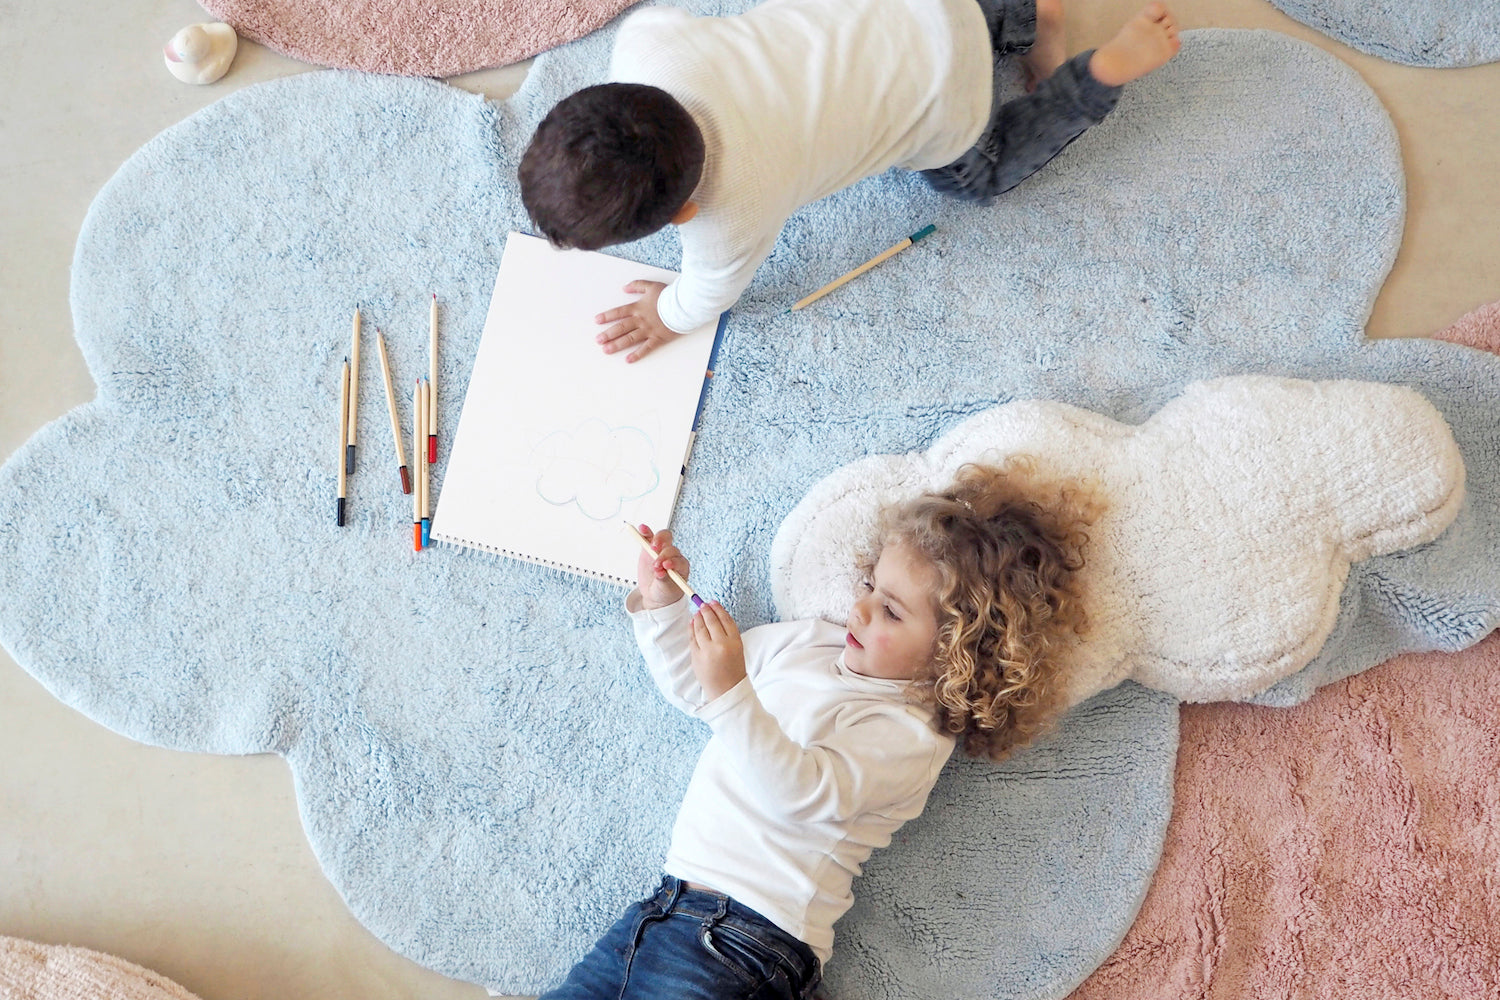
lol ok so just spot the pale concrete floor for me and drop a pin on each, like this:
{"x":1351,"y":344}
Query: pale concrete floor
{"x":196,"y":866}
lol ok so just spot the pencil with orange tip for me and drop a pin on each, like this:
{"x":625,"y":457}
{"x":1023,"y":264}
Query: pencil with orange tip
{"x":390,"y":402}
{"x":343,"y":440}
{"x":432,"y":384}
{"x":353,"y":395}
{"x":417,"y":456}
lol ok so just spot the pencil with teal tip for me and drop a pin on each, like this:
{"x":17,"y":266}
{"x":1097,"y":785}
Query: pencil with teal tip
{"x":861,"y":269}
{"x":676,"y":576}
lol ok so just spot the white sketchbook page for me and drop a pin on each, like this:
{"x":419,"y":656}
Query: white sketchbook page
{"x":559,"y":443}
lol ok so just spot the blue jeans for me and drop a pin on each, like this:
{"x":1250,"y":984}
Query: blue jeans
{"x":691,"y":944}
{"x":1024,"y":134}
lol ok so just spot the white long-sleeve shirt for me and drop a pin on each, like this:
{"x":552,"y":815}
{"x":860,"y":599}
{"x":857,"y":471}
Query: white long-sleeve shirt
{"x":811,"y":767}
{"x":797,"y":99}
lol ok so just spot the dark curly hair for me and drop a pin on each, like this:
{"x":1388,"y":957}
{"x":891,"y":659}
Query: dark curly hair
{"x":1007,"y":544}
{"x":610,"y":164}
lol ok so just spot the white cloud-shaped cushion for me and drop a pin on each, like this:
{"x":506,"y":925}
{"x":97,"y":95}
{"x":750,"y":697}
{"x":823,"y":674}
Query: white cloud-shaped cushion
{"x":1231,"y":519}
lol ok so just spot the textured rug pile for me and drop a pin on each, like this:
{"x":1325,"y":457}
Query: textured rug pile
{"x":31,"y":971}
{"x":1437,"y":33}
{"x":414,"y":37}
{"x":1343,"y":847}
{"x":484,"y":770}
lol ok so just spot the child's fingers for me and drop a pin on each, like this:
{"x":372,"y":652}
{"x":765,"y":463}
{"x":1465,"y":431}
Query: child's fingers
{"x":713,"y":629}
{"x":621,"y":335}
{"x":641,"y":352}
{"x":699,"y":635}
{"x":722,"y":625}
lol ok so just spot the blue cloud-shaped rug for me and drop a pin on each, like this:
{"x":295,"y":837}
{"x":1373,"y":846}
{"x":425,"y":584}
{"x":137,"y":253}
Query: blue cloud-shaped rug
{"x":484,"y":770}
{"x":1438,"y":33}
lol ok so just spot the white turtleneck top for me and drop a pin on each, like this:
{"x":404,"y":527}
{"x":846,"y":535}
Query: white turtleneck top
{"x":797,"y":99}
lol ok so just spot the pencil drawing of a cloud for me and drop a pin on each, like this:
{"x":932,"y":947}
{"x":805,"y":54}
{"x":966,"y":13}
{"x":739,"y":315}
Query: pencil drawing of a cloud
{"x":596,"y":467}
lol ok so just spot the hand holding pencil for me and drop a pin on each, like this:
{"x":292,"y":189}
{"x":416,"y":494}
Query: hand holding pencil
{"x":661,"y":571}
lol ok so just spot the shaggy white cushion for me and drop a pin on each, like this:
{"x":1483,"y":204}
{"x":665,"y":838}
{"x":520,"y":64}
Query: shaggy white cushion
{"x":1231,"y":519}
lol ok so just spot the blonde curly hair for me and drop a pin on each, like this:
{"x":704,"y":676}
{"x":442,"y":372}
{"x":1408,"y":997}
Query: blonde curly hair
{"x":1007,"y":544}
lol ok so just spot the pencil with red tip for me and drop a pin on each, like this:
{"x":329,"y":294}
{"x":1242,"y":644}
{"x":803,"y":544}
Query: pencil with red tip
{"x":676,"y":576}
{"x":432,"y":384}
{"x":417,"y":456}
{"x":426,"y":486}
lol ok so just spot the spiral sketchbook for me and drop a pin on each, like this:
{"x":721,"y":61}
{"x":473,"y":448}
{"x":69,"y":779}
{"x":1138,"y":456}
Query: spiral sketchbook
{"x":558,"y":443}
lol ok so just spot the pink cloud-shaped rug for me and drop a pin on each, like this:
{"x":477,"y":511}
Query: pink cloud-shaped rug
{"x":414,"y":37}
{"x":32,"y":971}
{"x":1345,"y":847}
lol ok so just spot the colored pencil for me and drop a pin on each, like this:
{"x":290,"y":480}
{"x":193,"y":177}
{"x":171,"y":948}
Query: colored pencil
{"x":426,"y":469}
{"x":861,"y":269}
{"x":676,"y":577}
{"x":353,"y":394}
{"x":343,"y":440}
{"x":390,"y":402}
{"x":432,"y":384}
{"x":417,"y":456}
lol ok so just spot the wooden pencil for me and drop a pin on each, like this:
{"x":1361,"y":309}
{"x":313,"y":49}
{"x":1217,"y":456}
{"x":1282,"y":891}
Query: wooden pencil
{"x":353,"y":394}
{"x":861,"y":269}
{"x":343,"y":440}
{"x":426,"y":477}
{"x":417,"y":456}
{"x":432,"y":367}
{"x":390,"y":402}
{"x":682,"y":584}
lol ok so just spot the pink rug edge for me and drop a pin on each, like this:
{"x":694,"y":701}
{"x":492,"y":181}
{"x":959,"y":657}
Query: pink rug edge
{"x":429,"y":49}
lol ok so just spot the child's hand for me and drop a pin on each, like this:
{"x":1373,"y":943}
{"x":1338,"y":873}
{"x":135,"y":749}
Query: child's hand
{"x":656,"y":587}
{"x":636,"y":324}
{"x":718,"y":653}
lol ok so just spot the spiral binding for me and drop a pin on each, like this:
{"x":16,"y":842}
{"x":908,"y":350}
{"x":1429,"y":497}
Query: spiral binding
{"x":534,"y":560}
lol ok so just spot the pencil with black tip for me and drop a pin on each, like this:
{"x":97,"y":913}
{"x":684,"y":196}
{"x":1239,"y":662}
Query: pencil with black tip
{"x":432,"y":384}
{"x":353,"y":395}
{"x":390,"y":402}
{"x":343,"y":439}
{"x":417,"y":456}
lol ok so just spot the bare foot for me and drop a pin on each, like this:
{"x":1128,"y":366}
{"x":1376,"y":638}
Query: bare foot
{"x":1050,"y":50}
{"x":1145,"y":43}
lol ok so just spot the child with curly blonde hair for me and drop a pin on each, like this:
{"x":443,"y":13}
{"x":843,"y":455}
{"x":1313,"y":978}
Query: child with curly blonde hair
{"x":826,"y":739}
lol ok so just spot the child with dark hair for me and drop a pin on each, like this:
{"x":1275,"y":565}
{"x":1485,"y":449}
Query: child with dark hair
{"x":827,"y":738}
{"x":725,"y":126}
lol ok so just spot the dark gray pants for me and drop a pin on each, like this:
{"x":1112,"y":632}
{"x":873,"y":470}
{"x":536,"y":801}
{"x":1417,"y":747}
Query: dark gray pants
{"x":1023,"y":134}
